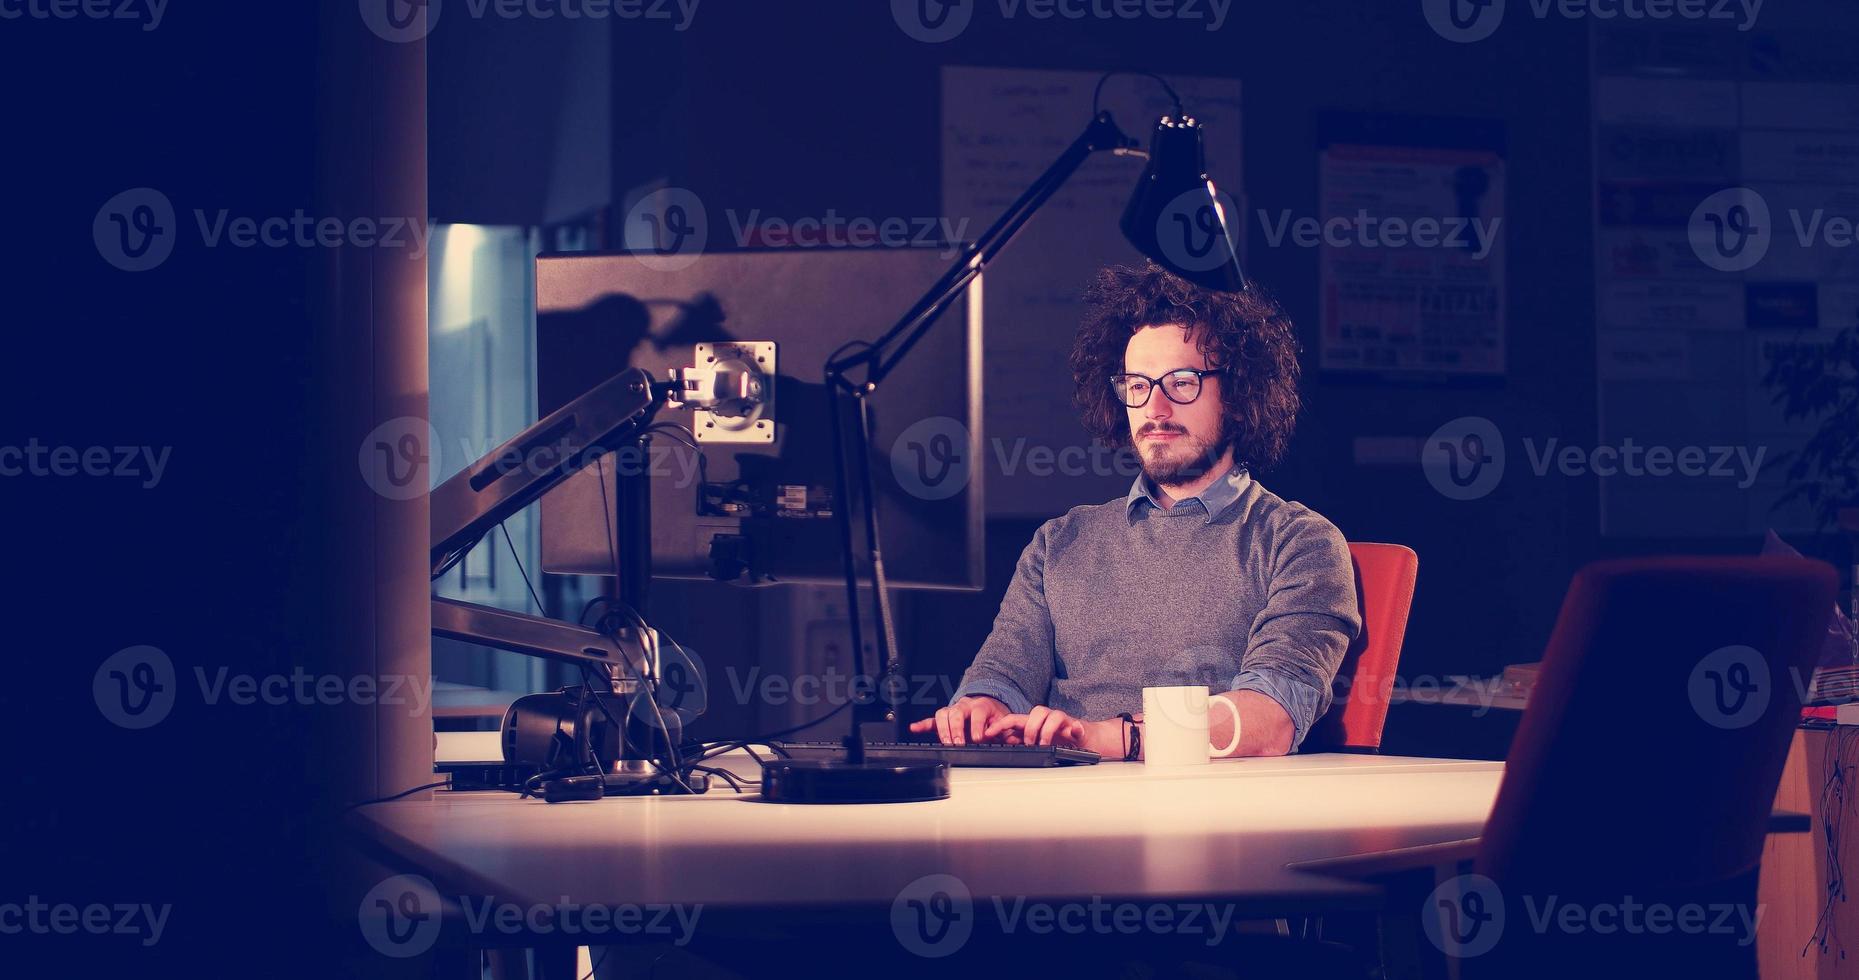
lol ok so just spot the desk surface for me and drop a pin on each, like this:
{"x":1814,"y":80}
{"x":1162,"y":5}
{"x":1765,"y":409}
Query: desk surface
{"x":1225,"y":831}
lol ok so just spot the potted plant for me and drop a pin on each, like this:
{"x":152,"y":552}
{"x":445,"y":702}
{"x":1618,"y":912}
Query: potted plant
{"x":1816,"y":384}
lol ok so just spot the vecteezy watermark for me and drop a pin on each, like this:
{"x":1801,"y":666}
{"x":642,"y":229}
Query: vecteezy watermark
{"x":137,"y":688}
{"x":1467,"y":21}
{"x":134,"y":687}
{"x":1732,"y":230}
{"x":398,"y":457}
{"x":39,"y":917}
{"x":400,"y":917}
{"x":935,"y":915}
{"x":834,"y":230}
{"x":1423,"y":688}
{"x":1464,"y":459}
{"x":1730,"y":687}
{"x":401,"y":21}
{"x":144,"y":464}
{"x":1218,"y":668}
{"x":1466,"y":916}
{"x":137,"y":230}
{"x":1195,"y":230}
{"x":669,"y":228}
{"x":936,"y":21}
{"x":682,"y":689}
{"x":1632,"y":459}
{"x":835,"y":687}
{"x":147,"y":13}
{"x":678,"y":695}
{"x":932,"y":459}
{"x":1363,"y":230}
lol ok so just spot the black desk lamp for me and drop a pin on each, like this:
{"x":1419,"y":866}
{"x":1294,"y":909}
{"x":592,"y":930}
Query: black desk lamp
{"x":1175,"y":218}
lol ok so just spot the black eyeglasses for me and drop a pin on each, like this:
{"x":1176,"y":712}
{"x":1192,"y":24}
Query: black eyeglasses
{"x":1181,"y":386}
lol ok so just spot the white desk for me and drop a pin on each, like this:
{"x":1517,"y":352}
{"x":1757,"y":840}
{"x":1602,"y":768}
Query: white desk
{"x":1225,"y":831}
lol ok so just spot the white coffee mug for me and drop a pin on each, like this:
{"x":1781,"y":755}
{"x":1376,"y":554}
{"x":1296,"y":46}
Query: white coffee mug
{"x":1176,"y":726}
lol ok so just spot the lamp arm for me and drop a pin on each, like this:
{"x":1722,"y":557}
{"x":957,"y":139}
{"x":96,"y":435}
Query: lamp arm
{"x":1100,"y":135}
{"x":852,"y":464}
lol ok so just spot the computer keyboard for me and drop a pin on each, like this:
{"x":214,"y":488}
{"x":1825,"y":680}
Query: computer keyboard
{"x":985,"y":755}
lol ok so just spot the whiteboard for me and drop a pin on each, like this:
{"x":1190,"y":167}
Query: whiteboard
{"x":1001,"y":128}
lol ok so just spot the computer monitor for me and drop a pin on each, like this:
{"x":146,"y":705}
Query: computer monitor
{"x":765,"y":513}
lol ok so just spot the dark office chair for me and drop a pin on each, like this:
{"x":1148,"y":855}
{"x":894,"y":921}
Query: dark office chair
{"x":1647,"y":763}
{"x":1645,"y":769}
{"x":1385,"y":576}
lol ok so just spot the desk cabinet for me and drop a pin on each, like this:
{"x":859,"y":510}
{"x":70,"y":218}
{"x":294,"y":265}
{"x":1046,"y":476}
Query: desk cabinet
{"x":1796,"y":867}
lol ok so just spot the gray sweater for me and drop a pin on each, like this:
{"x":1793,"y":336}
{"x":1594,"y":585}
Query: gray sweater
{"x":1236,"y":589}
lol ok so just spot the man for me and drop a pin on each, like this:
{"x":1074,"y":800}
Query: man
{"x":1199,"y":575}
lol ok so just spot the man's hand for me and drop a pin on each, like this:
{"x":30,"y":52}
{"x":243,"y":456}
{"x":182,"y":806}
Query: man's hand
{"x":967,"y":720}
{"x":1049,"y":726}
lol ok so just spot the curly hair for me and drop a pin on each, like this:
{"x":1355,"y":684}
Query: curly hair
{"x":1246,"y":336}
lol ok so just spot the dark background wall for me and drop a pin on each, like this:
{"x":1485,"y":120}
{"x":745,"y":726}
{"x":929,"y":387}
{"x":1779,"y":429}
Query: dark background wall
{"x":795,"y":109}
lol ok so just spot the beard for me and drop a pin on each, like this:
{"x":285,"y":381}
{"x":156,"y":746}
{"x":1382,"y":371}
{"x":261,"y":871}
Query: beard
{"x":1182,"y":460}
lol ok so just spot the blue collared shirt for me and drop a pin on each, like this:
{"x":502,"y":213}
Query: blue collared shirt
{"x":1213,"y":501}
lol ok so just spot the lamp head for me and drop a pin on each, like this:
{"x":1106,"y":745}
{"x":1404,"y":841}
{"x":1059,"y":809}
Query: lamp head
{"x":1176,"y":216}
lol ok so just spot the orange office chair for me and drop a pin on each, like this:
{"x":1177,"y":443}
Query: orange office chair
{"x":1385,"y":592}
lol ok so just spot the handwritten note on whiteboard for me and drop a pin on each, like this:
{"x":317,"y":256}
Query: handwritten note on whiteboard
{"x":1001,"y":128}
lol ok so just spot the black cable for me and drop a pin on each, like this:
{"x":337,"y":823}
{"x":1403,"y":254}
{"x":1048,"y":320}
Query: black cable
{"x":613,"y":556}
{"x":644,"y":628}
{"x":680,"y":433}
{"x":588,"y":685}
{"x":833,"y":358}
{"x":723,"y":747}
{"x":1833,"y":806}
{"x":726,"y":776}
{"x":1107,"y":76}
{"x":671,"y":773}
{"x":684,"y":654}
{"x":720,"y":748}
{"x":532,"y":784}
{"x":842,"y":348}
{"x":445,"y":783}
{"x":645,"y":687}
{"x":540,"y":609}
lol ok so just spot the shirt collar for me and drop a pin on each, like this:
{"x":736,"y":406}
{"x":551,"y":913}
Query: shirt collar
{"x":1214,"y":500}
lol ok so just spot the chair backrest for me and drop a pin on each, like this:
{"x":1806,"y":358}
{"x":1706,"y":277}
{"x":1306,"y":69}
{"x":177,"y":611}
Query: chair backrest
{"x":1385,"y":576}
{"x":1650,"y":753}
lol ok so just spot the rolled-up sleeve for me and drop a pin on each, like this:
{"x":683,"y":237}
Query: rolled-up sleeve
{"x":1310,"y":617}
{"x":1015,"y":664}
